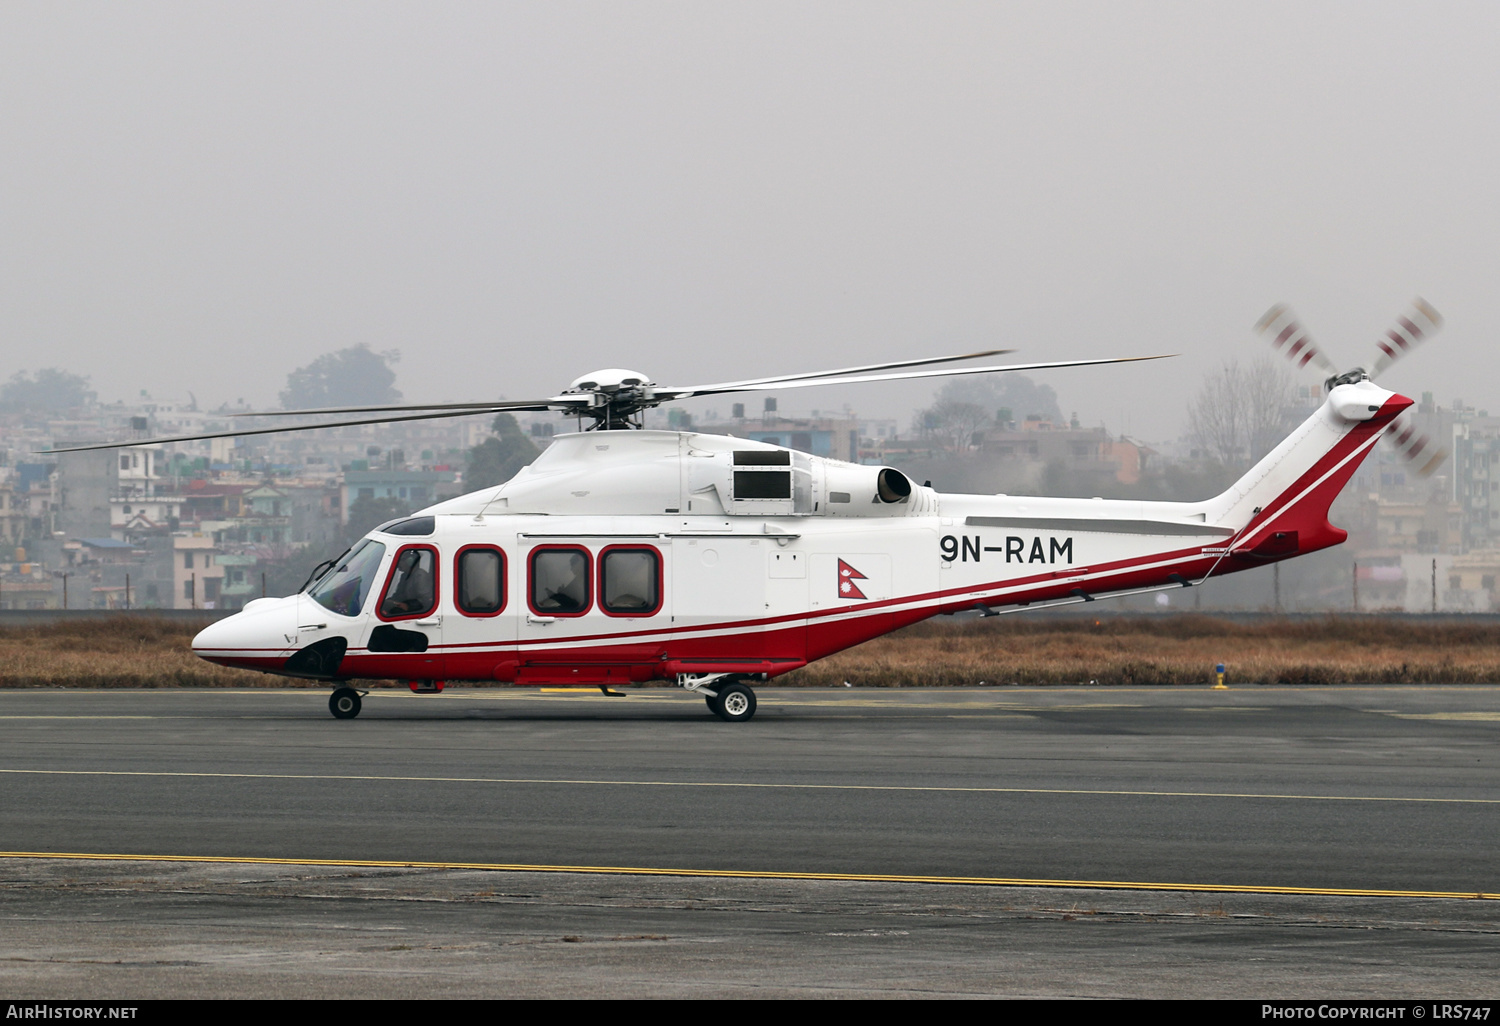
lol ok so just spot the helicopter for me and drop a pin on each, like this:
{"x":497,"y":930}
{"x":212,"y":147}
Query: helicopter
{"x":624,"y":555}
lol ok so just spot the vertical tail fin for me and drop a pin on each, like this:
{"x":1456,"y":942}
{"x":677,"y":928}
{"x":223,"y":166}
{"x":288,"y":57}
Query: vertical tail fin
{"x":1280,"y":507}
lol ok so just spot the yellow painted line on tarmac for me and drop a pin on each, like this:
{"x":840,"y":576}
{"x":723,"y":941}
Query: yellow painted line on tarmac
{"x":754,"y":874}
{"x":1482,"y":717}
{"x":391,"y":778}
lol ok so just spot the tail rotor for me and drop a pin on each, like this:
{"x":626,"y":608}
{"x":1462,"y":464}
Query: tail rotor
{"x":1288,"y":337}
{"x":1419,"y":323}
{"x":1281,"y":328}
{"x":1418,"y":449}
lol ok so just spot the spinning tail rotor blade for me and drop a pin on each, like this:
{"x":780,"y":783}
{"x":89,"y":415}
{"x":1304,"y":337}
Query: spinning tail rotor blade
{"x":1414,"y":447}
{"x":1281,"y":328}
{"x":1419,"y":323}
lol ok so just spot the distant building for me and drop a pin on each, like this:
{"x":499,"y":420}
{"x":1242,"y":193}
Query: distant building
{"x":1427,"y":528}
{"x":82,"y":486}
{"x":86,"y":551}
{"x":829,"y":437}
{"x":1470,"y":581}
{"x":242,"y":580}
{"x":415,"y":488}
{"x":34,"y":589}
{"x":263,"y":517}
{"x":1476,"y":478}
{"x":13,"y":515}
{"x":1081,"y":452}
{"x":198,"y":576}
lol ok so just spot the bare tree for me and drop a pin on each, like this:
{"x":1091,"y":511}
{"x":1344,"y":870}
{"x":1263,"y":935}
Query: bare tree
{"x":1214,"y":417}
{"x":1268,"y":390}
{"x":1240,"y":413}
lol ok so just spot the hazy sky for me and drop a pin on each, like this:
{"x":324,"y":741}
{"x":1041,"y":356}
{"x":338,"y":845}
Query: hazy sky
{"x":204,"y":196}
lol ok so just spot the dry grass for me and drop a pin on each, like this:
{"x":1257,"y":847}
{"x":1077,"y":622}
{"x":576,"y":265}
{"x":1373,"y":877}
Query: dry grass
{"x":1166,"y":650}
{"x":120,"y":652}
{"x":142,"y":652}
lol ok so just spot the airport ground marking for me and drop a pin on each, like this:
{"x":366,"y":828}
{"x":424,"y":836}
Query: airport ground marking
{"x":373,"y":778}
{"x":755,"y":874}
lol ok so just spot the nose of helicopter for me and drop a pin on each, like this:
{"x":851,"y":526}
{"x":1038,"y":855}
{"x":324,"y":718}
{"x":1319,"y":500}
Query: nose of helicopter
{"x":259,"y":637}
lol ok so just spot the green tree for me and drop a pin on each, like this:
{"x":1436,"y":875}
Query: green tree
{"x":498,"y":458}
{"x":287,"y":567}
{"x":367,"y":513}
{"x":48,"y":389}
{"x":956,"y":422}
{"x":350,"y":377}
{"x":1014,"y":392}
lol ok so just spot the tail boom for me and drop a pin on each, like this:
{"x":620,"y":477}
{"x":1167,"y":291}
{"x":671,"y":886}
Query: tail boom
{"x":1280,"y":508}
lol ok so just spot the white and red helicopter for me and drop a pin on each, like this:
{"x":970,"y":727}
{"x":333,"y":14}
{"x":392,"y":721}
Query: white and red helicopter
{"x":623,"y":555}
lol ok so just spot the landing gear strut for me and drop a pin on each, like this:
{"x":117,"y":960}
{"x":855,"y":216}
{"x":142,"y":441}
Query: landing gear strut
{"x":344,"y":703}
{"x":727,"y":697}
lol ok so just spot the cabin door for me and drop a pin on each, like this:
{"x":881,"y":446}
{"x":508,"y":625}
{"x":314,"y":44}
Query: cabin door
{"x":479,"y":625}
{"x":406,"y":637}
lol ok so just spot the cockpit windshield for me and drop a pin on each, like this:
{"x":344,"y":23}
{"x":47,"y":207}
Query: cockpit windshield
{"x":345,"y":589}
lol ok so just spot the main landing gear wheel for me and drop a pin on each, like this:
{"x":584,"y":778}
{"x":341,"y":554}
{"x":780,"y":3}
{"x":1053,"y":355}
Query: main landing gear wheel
{"x":735,"y":704}
{"x":344,"y":704}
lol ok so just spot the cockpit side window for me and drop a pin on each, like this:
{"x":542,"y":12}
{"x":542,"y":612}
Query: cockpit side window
{"x":346,"y":588}
{"x":411,"y":589}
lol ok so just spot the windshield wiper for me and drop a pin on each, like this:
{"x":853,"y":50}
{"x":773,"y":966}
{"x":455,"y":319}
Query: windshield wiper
{"x":321,"y":569}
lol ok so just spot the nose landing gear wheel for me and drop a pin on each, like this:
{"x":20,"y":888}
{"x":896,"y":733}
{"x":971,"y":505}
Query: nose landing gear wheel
{"x":735,"y":704}
{"x":344,"y":704}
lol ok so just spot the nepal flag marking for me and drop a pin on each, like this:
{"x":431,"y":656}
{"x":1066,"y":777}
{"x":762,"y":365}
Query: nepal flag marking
{"x":847,"y":576}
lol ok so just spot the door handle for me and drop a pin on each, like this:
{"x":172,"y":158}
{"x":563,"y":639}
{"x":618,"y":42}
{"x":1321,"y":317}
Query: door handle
{"x":540,"y":619}
{"x":431,"y":621}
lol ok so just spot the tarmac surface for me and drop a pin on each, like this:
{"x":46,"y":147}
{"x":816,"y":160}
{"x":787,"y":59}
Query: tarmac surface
{"x":1185,"y":842}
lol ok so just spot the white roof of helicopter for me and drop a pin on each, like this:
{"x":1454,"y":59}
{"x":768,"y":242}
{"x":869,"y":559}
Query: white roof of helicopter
{"x":608,"y":472}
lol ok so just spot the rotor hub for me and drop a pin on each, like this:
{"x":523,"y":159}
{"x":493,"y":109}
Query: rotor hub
{"x":616,"y":395}
{"x":610,"y":380}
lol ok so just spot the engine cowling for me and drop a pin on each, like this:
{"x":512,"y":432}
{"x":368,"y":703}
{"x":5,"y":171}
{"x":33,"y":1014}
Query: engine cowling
{"x":849,"y":490}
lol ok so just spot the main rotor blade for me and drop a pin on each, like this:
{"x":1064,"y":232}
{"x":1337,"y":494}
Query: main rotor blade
{"x":1419,"y":323}
{"x":280,"y":430}
{"x":945,"y":372}
{"x":498,"y":404}
{"x":720,"y":386}
{"x":1280,"y":327}
{"x":527,"y":404}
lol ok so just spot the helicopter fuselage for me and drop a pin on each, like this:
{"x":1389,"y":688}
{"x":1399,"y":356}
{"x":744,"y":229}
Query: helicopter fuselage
{"x":626,"y":557}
